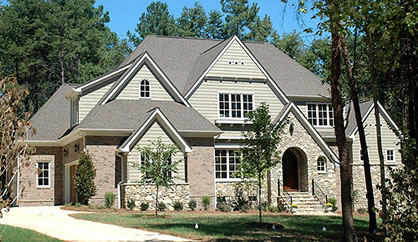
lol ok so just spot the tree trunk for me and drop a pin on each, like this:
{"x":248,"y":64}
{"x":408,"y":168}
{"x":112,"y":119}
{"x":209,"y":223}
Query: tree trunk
{"x":367,"y":174}
{"x":259,"y":197}
{"x":156,"y":202}
{"x":269,"y":187}
{"x":345,"y":166}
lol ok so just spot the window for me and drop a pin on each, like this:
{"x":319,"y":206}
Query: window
{"x":321,"y":164}
{"x":145,"y":89}
{"x":144,"y":160}
{"x":320,"y":114}
{"x":43,"y":174}
{"x":390,"y":155}
{"x":235,"y":106}
{"x":74,"y":112}
{"x":226,"y":163}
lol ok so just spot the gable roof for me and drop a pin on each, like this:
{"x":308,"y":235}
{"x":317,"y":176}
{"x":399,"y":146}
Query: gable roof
{"x":154,"y":116}
{"x":184,"y":59}
{"x":128,"y":114}
{"x":52,"y":120}
{"x":291,"y":107}
{"x":366,"y":108}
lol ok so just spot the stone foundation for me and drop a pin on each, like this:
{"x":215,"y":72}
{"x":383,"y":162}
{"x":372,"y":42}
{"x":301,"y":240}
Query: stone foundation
{"x":146,"y":194}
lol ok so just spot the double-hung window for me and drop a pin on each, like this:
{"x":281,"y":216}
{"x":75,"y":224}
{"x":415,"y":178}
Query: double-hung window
{"x":226,"y":164}
{"x":43,"y":174}
{"x":320,"y":114}
{"x":235,"y":106}
{"x":321,"y":164}
{"x":390,"y":155}
{"x":145,"y":89}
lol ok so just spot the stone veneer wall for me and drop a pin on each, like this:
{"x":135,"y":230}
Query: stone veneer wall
{"x":146,"y":194}
{"x":31,"y":195}
{"x":102,"y":150}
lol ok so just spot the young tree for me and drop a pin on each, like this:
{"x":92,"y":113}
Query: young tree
{"x":259,"y":152}
{"x":14,"y":128}
{"x":84,"y":179}
{"x":157,"y":166}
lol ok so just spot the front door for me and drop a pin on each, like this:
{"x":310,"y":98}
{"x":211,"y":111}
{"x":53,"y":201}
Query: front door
{"x":290,"y":171}
{"x":73,"y":191}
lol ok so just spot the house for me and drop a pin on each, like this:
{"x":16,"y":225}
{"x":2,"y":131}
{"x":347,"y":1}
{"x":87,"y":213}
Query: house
{"x":195,"y":93}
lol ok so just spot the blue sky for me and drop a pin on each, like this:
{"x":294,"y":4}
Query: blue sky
{"x":124,"y":14}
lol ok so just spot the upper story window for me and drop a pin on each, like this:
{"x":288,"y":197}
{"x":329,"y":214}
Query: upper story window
{"x":43,"y":174}
{"x":145,"y":89}
{"x":226,"y":163}
{"x":320,"y":114}
{"x":321,"y":164}
{"x":390,"y":155}
{"x":74,"y":112}
{"x":235,"y":105}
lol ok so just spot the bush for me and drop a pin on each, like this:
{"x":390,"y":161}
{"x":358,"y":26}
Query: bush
{"x":131,"y":204}
{"x":362,"y":210}
{"x":272,"y":209}
{"x":161,"y":206}
{"x":281,"y":208}
{"x":84,"y":179}
{"x":109,"y":199}
{"x":240,"y":203}
{"x":178,"y":206}
{"x":264,"y":206}
{"x":206,"y":202}
{"x":77,"y":205}
{"x":224,"y":207}
{"x":144,"y":206}
{"x":192,"y":204}
{"x":334,"y":203}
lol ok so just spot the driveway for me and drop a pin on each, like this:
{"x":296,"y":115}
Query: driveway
{"x":55,"y":222}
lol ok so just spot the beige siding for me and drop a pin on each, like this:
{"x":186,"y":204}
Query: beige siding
{"x":152,"y":134}
{"x":131,"y":91}
{"x":304,"y":109}
{"x":87,"y":102}
{"x":241,"y":64}
{"x":389,"y":141}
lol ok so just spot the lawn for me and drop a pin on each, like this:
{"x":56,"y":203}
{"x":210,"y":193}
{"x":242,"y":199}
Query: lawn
{"x":238,"y":226}
{"x":9,"y":233}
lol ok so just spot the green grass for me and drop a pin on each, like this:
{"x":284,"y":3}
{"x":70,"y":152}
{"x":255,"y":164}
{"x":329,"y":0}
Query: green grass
{"x":232,"y":226}
{"x":9,"y":233}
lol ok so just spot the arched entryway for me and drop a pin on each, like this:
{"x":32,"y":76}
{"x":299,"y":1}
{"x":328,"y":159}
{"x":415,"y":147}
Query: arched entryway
{"x":295,"y":171}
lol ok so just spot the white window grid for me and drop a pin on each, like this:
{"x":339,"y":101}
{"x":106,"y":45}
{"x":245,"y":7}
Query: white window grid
{"x":226,"y":163}
{"x":390,"y":155}
{"x":321,"y":164}
{"x":235,"y":105}
{"x":43,"y":174}
{"x":320,"y":114}
{"x":145,"y":89}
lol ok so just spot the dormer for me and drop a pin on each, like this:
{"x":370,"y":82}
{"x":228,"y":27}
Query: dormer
{"x":74,"y":111}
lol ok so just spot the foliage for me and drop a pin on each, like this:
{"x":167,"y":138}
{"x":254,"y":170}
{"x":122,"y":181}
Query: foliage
{"x":259,"y":152}
{"x":178,"y":206}
{"x":109,"y":199}
{"x":144,"y":206}
{"x":84,"y":178}
{"x":161,"y":206}
{"x":192,"y":22}
{"x":329,"y":205}
{"x":192,"y":204}
{"x":77,"y":205}
{"x":224,"y":207}
{"x":14,"y":128}
{"x":130,"y":204}
{"x":294,"y":205}
{"x":333,"y":201}
{"x":46,"y":43}
{"x":206,"y":202}
{"x":240,"y":203}
{"x":157,"y":166}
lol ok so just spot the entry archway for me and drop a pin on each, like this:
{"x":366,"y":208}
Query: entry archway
{"x":295,"y":170}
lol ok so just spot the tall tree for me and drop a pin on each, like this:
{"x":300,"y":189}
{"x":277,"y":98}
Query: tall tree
{"x":193,"y":21}
{"x":239,"y":15}
{"x":215,"y":25}
{"x":156,"y":20}
{"x":260,"y":29}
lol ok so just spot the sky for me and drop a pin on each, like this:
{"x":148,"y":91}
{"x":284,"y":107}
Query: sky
{"x":124,"y":14}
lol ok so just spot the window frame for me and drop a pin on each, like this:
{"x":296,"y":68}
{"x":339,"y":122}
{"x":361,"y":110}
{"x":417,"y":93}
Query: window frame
{"x":49,"y":174}
{"x":228,"y":178}
{"x":393,"y":155}
{"x":74,"y":112}
{"x":327,"y":111}
{"x":241,"y":95}
{"x":325,"y":166}
{"x":360,"y":155}
{"x":149,"y":85}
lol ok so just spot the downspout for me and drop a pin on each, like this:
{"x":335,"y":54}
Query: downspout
{"x":122,"y":178}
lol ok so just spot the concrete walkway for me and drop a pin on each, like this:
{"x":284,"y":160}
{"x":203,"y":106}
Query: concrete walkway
{"x":55,"y":222}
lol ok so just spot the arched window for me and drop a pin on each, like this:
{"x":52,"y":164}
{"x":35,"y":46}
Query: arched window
{"x":145,"y":89}
{"x":321,"y":164}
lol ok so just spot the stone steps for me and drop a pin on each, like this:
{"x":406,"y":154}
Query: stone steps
{"x":307,"y":204}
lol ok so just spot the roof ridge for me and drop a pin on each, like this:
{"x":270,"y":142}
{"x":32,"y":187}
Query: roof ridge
{"x":181,"y":37}
{"x":217,"y":44}
{"x":41,"y":110}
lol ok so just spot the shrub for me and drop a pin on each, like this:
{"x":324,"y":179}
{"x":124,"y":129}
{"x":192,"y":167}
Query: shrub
{"x":144,"y":206}
{"x":109,"y":199}
{"x":206,"y":202}
{"x":281,"y":208}
{"x":264,"y":206}
{"x":77,"y":205}
{"x":334,"y":203}
{"x":178,"y":206}
{"x":362,"y":210}
{"x":240,"y":203}
{"x":192,"y":204}
{"x":84,"y":178}
{"x":161,"y":206}
{"x":131,"y":204}
{"x":272,"y":209}
{"x":224,"y":207}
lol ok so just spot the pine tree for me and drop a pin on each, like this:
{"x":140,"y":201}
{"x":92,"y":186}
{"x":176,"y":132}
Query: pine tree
{"x":84,"y":178}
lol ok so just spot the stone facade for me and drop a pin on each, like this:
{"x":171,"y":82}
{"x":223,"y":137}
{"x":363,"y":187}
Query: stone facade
{"x":30,"y":193}
{"x":146,"y":194}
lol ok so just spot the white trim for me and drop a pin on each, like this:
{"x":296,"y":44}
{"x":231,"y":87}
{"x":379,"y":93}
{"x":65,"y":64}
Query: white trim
{"x":328,"y":105}
{"x":359,"y":156}
{"x":67,"y":180}
{"x":157,"y":114}
{"x":325,"y":165}
{"x":366,"y":115}
{"x":79,"y":89}
{"x":49,"y":174}
{"x":387,"y":117}
{"x":234,"y":120}
{"x":386,"y":155}
{"x":228,"y":179}
{"x":228,"y":146}
{"x":139,"y":89}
